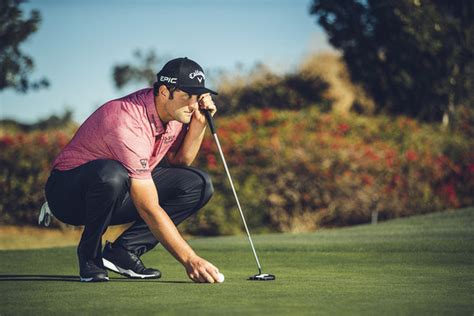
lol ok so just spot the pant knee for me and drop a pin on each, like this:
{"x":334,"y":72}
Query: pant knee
{"x":208,"y":188}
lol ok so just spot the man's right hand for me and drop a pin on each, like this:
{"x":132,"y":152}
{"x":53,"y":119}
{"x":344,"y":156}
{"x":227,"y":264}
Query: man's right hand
{"x":201,"y":271}
{"x":145,"y":198}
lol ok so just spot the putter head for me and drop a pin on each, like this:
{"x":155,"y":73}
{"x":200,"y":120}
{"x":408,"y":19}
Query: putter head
{"x":262,"y":277}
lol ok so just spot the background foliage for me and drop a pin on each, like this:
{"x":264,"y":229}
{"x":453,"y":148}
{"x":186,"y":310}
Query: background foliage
{"x":15,"y":66}
{"x":294,"y":170}
{"x":330,"y":143}
{"x":414,"y":57}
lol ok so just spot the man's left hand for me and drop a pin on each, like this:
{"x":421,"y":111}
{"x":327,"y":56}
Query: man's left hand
{"x":205,"y":103}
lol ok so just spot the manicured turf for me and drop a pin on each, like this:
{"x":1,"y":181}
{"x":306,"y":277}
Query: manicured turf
{"x":420,"y":265}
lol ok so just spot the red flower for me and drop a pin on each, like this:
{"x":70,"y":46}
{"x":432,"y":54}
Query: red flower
{"x":211,"y":162}
{"x":369,"y":153}
{"x":6,"y":141}
{"x":449,"y":191}
{"x":396,"y":180}
{"x":367,"y":179}
{"x":20,"y":138}
{"x":206,"y":146}
{"x":390,"y":157}
{"x":61,"y":139}
{"x":411,"y":155}
{"x":442,"y":161}
{"x":42,"y":139}
{"x":470,"y":168}
{"x":266,"y":115}
{"x":239,"y":127}
{"x":343,"y":128}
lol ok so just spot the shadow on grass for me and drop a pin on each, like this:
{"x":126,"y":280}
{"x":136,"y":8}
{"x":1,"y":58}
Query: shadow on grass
{"x":73,"y":278}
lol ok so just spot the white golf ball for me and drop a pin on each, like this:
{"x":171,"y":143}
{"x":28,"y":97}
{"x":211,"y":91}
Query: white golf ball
{"x":220,"y":278}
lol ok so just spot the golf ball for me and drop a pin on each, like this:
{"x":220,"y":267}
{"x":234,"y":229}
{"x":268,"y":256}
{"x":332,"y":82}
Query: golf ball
{"x":220,"y":278}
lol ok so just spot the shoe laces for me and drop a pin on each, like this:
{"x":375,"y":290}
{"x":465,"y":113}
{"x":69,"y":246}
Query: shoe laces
{"x":138,"y":262}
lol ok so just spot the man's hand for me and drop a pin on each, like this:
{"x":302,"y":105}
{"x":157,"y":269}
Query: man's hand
{"x":145,"y":197}
{"x":205,"y":103}
{"x":201,"y":271}
{"x":193,"y":139}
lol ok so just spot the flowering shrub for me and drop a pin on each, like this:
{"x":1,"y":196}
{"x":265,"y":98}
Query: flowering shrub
{"x":25,"y":160}
{"x":297,"y":171}
{"x":293,"y":171}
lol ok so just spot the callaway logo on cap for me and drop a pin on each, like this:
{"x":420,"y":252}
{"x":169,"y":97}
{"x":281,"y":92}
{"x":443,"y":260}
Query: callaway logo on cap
{"x":184,"y":74}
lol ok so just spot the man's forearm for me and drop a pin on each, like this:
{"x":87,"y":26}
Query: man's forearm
{"x":166,"y":232}
{"x":191,"y":144}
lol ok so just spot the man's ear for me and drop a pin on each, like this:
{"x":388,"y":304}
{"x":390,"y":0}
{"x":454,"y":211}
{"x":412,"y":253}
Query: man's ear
{"x":163,"y":92}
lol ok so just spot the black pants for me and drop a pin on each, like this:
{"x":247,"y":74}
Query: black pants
{"x":96,"y":195}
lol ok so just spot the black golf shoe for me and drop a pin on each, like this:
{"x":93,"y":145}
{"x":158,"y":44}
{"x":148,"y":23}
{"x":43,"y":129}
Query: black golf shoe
{"x":90,"y":271}
{"x":126,"y":263}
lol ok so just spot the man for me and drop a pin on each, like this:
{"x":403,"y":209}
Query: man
{"x":109,"y":174}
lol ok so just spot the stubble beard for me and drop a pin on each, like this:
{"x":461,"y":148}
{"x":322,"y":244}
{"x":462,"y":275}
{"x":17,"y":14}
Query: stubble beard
{"x":183,"y":117}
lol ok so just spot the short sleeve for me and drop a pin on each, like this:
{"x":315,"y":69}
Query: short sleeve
{"x":132,"y":148}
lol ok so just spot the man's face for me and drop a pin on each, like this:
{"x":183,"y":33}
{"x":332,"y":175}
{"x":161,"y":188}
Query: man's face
{"x":181,"y":108}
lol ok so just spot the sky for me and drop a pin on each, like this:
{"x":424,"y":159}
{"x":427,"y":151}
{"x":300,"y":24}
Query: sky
{"x":79,"y":42}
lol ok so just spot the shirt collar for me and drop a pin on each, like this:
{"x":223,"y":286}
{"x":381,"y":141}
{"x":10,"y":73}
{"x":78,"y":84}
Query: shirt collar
{"x":155,"y":122}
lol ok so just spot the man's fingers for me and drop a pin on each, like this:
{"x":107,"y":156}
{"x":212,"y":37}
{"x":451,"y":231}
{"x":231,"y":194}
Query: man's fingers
{"x":214,"y":272}
{"x":207,"y":277}
{"x":196,"y":278}
{"x":202,"y":271}
{"x":200,"y":279}
{"x":206,"y":102}
{"x":206,"y":273}
{"x":203,"y":96}
{"x":204,"y":277}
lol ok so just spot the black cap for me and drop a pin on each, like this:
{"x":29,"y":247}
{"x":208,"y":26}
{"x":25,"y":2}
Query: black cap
{"x":184,"y":74}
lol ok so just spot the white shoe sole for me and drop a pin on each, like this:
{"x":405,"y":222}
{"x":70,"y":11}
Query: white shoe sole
{"x":92,"y":279}
{"x":128,"y":273}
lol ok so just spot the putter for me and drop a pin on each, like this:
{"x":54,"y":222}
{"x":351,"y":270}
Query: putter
{"x":260,"y":276}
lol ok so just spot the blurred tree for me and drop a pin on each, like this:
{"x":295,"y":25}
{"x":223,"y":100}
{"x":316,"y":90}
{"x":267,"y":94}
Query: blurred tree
{"x":51,"y":123}
{"x":414,"y":57}
{"x":262,"y":88}
{"x":144,"y":71}
{"x":344,"y":94}
{"x":14,"y":65}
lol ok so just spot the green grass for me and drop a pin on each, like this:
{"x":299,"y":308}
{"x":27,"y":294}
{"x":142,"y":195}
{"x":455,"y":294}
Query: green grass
{"x":419,"y":265}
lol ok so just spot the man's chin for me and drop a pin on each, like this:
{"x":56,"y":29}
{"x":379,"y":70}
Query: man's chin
{"x":185,"y":119}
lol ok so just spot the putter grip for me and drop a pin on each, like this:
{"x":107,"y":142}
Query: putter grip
{"x":210,"y":121}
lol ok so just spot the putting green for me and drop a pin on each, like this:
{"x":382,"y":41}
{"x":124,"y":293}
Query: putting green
{"x":418,"y":265}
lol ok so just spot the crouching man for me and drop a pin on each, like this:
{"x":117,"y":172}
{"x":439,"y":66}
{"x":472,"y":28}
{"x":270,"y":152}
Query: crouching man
{"x":108,"y":174}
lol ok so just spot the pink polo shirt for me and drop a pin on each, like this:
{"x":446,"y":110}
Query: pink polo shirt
{"x":127,"y":130}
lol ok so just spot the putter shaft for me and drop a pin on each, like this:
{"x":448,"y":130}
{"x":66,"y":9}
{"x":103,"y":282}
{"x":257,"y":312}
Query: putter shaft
{"x":236,"y":198}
